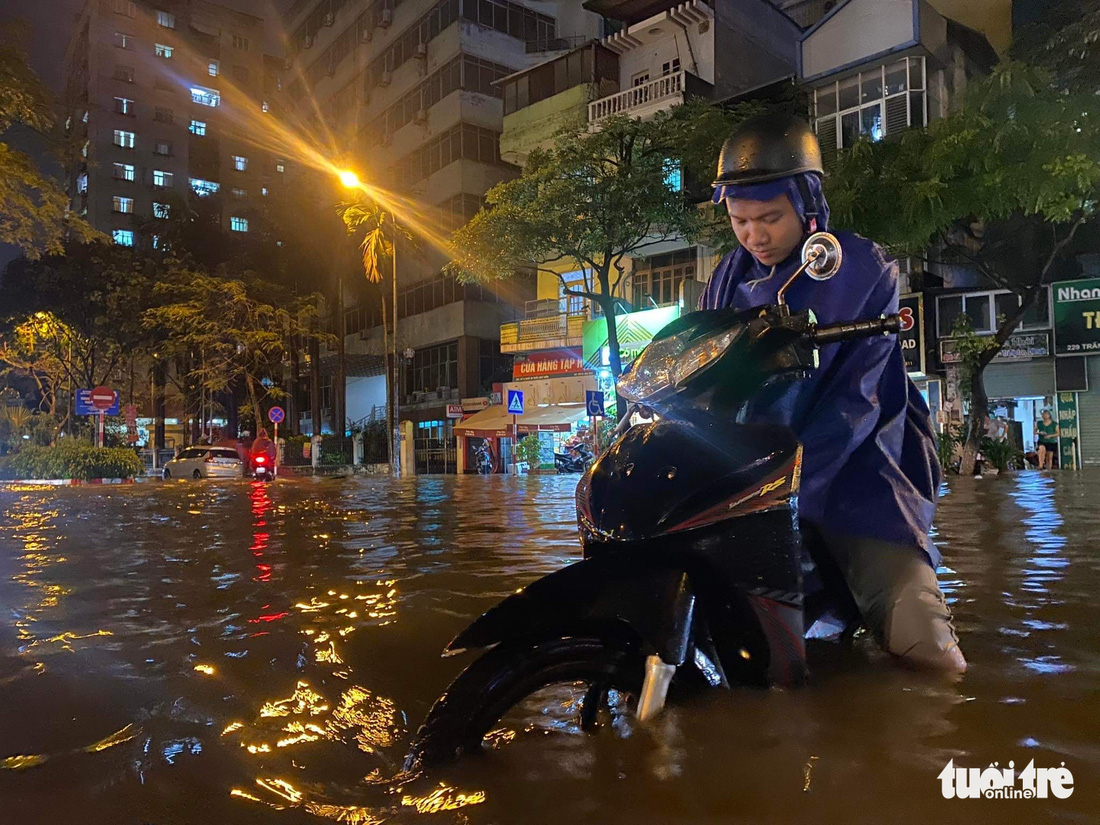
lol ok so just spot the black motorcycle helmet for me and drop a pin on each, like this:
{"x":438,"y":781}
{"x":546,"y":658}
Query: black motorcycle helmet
{"x":768,"y":147}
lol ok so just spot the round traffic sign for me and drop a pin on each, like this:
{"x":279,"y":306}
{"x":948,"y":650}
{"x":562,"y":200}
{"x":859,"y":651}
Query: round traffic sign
{"x":103,"y":398}
{"x":276,"y":415}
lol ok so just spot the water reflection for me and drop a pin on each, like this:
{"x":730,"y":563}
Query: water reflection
{"x":262,"y":653}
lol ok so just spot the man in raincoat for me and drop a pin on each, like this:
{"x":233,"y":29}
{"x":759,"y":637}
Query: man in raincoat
{"x":870,"y":474}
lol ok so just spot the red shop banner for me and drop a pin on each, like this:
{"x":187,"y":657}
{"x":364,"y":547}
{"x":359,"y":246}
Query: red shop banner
{"x":551,"y":362}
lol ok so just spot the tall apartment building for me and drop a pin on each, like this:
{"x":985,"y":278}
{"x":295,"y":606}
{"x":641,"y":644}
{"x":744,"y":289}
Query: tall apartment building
{"x":167,"y":96}
{"x":407,"y":89}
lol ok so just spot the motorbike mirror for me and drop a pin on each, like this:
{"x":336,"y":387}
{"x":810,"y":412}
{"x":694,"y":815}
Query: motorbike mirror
{"x":822,"y":256}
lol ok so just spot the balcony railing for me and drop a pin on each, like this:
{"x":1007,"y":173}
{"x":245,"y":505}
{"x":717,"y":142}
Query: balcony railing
{"x":666,"y":87}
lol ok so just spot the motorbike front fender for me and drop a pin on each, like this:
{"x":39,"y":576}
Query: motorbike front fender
{"x":654,"y":602}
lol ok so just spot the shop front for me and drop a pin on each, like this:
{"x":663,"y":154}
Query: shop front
{"x":1077,"y":347}
{"x":914,"y":351}
{"x":485,"y":439}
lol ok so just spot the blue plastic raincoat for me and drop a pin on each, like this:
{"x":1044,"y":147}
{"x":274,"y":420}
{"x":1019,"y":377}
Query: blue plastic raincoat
{"x":869,"y":463}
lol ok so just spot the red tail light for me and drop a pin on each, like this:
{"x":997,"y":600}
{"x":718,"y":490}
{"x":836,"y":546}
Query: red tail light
{"x":261,"y":459}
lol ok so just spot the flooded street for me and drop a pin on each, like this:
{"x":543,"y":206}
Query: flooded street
{"x":227,"y":653}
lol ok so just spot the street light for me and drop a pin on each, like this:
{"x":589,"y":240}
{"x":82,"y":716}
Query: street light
{"x":349,"y":179}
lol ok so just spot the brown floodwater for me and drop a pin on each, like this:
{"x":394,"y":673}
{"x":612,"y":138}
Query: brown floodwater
{"x":207,"y":654}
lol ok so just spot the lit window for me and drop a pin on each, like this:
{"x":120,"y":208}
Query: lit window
{"x":202,"y":188}
{"x":238,"y":224}
{"x":205,"y":97}
{"x":162,"y":179}
{"x":123,"y":237}
{"x":161,"y":210}
{"x":265,"y":107}
{"x":82,"y":182}
{"x":166,"y":19}
{"x":162,"y":147}
{"x":124,"y":139}
{"x":162,"y":114}
{"x":124,"y":106}
{"x":124,"y":40}
{"x":125,"y":205}
{"x":164,"y":51}
{"x":124,"y":171}
{"x":238,"y":193}
{"x":85,"y":117}
{"x":212,"y":69}
{"x":198,"y":127}
{"x":157,"y":242}
{"x":280,"y":165}
{"x":240,"y":163}
{"x":674,"y":176}
{"x":240,"y":42}
{"x":263,"y":191}
{"x":84,"y":148}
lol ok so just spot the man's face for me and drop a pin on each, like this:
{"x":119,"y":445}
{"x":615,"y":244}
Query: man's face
{"x":770,"y":230}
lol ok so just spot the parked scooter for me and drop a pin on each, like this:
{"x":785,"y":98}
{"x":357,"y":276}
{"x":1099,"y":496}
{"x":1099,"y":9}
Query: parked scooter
{"x":692,"y":572}
{"x":483,"y":459}
{"x":577,"y":460}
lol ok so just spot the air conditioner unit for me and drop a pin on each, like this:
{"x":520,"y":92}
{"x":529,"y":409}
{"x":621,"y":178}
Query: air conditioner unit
{"x":307,"y":42}
{"x":421,"y":116}
{"x":387,"y":18}
{"x":422,"y":50}
{"x":386,"y":79}
{"x":330,"y":18}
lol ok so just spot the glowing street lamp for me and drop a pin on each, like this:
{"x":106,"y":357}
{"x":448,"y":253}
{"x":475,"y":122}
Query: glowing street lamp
{"x":349,"y":179}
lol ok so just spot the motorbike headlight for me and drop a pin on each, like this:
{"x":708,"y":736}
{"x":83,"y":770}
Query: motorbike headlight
{"x":701,"y":355}
{"x":667,"y":364}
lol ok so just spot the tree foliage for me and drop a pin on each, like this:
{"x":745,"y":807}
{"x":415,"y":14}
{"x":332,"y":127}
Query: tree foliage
{"x":1065,"y":40}
{"x":34,"y":211}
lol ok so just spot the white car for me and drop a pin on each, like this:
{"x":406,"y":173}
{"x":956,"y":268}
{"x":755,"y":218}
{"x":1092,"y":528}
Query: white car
{"x":205,"y":462}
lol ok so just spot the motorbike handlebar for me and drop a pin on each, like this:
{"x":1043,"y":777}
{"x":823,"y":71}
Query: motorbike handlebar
{"x":886,"y":325}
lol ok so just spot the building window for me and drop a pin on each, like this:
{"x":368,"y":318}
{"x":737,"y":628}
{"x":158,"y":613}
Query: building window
{"x":157,"y":242}
{"x":205,"y":97}
{"x":127,"y":8}
{"x":198,"y":127}
{"x":166,"y":19}
{"x":672,"y":67}
{"x":873,"y":104}
{"x":124,"y":40}
{"x":82,"y":183}
{"x":163,"y":84}
{"x":162,"y":147}
{"x":433,"y":368}
{"x":240,"y":163}
{"x":657,"y":279}
{"x":124,"y":73}
{"x":202,"y":188}
{"x":237,"y":192}
{"x":124,"y":171}
{"x":164,"y":51}
{"x":123,"y":237}
{"x":280,"y":165}
{"x":674,"y":176}
{"x":238,"y":224}
{"x":265,"y":107}
{"x":124,"y":139}
{"x":161,"y":210}
{"x":263,"y":191}
{"x":84,"y":148}
{"x":124,"y":106}
{"x":162,"y":179}
{"x":162,"y":114}
{"x":241,"y":73}
{"x":124,"y":205}
{"x":212,"y":68}
{"x":240,"y":42}
{"x":987,"y":309}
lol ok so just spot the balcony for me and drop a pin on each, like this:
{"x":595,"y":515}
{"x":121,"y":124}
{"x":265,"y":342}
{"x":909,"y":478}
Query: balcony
{"x":649,"y":98}
{"x":550,"y":324}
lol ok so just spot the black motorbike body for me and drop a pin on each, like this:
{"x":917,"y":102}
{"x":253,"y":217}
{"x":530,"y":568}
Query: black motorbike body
{"x":575,"y":461}
{"x":689,"y":521}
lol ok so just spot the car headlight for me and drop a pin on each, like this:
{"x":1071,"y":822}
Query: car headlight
{"x":667,"y":364}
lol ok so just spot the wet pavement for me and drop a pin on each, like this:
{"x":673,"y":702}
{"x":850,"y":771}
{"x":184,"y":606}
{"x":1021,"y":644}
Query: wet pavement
{"x":221,"y":653}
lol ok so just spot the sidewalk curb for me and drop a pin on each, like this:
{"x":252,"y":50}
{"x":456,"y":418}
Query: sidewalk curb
{"x":68,"y":482}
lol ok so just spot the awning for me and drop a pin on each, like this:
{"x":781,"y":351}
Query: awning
{"x":494,"y":422}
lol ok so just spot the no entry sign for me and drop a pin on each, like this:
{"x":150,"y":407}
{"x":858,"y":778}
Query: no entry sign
{"x":103,"y":398}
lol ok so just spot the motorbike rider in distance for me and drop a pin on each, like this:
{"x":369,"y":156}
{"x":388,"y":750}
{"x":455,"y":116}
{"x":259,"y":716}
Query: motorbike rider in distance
{"x":870,"y":474}
{"x":264,"y":446}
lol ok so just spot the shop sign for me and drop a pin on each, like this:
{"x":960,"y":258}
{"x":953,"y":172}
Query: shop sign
{"x":454,"y":411}
{"x":1067,"y":428}
{"x":635,"y":329}
{"x":551,"y":362}
{"x":471,"y":405}
{"x":911,"y":310}
{"x":1077,"y":316}
{"x":1023,"y":346}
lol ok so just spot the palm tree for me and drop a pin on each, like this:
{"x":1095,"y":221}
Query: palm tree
{"x":377,"y":230}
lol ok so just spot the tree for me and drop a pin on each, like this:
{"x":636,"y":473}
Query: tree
{"x":230,"y":330}
{"x":1065,"y":40}
{"x":585,"y":205}
{"x":34,"y":211}
{"x":377,"y":232}
{"x":1001,"y":186}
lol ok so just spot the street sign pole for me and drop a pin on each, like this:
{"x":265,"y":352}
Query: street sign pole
{"x":102,"y":420}
{"x":515,"y":443}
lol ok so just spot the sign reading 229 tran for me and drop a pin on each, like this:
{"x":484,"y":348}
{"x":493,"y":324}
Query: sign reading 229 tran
{"x":1077,"y":316}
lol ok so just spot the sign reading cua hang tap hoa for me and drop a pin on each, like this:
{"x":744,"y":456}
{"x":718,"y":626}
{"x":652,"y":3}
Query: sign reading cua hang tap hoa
{"x":1077,"y":316}
{"x":550,"y":362}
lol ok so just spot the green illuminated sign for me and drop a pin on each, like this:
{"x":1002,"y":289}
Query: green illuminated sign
{"x":636,"y":330}
{"x":1077,"y":316}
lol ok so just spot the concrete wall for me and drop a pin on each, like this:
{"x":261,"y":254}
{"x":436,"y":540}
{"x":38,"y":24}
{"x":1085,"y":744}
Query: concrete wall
{"x":991,"y":17}
{"x":536,"y":125}
{"x":364,"y":393}
{"x":756,"y":45}
{"x":860,"y":29}
{"x":698,"y":59}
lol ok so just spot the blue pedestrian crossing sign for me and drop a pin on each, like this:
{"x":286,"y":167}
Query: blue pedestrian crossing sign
{"x":593,"y":400}
{"x":515,"y":402}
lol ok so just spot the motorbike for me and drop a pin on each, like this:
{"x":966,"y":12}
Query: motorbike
{"x":261,"y":467}
{"x":483,"y":460}
{"x":577,"y":460}
{"x":693,"y":560}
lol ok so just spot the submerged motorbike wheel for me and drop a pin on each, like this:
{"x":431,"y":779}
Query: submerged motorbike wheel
{"x":503,"y":678}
